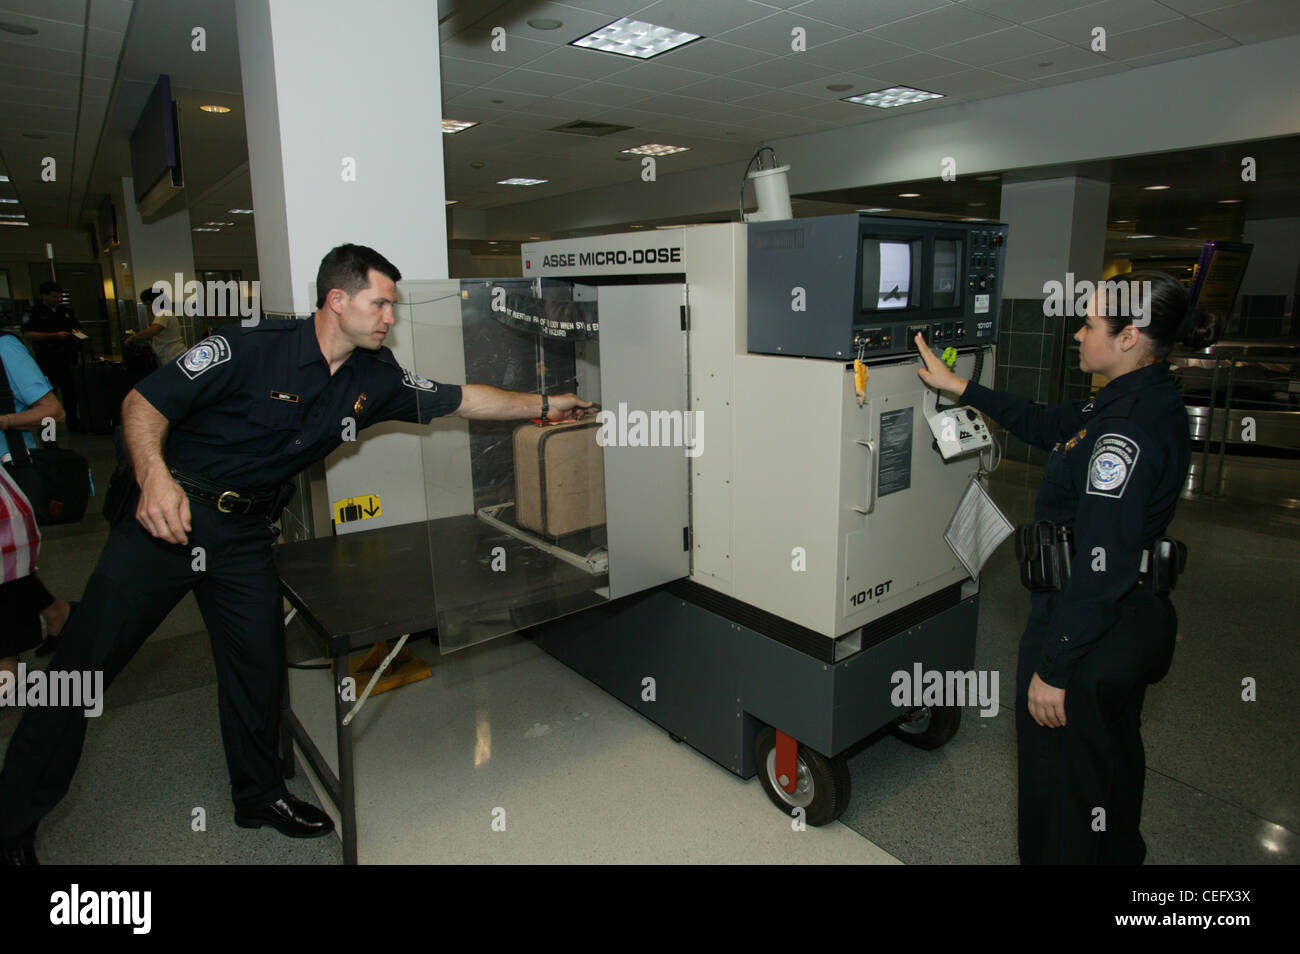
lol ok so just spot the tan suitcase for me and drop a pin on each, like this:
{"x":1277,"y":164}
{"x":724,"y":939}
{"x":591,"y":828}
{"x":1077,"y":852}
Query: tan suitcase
{"x":559,"y":478}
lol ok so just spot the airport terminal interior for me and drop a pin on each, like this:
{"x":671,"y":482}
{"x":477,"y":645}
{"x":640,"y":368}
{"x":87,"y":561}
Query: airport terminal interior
{"x":732,"y":217}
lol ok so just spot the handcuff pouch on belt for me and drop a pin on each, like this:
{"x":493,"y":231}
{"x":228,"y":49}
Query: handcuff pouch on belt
{"x":1162,"y":563}
{"x":1043,"y":550}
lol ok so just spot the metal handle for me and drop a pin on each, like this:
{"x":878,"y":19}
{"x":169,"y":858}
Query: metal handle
{"x":873,"y":467}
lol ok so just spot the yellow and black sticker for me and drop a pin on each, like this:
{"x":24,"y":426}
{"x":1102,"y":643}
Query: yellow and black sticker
{"x":285,"y":396}
{"x":357,"y":508}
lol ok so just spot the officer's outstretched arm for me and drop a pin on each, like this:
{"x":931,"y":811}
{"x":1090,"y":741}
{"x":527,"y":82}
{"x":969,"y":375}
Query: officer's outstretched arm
{"x":163,"y":510}
{"x":482,"y":402}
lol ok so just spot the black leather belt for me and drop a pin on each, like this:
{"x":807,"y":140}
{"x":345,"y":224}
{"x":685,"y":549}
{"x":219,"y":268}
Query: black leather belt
{"x":226,"y":500}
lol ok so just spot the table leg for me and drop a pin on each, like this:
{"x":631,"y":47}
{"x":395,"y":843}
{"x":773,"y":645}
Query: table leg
{"x":347,"y":803}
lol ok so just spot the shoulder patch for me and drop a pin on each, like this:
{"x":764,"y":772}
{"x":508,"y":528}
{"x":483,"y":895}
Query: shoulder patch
{"x":1114,"y":458}
{"x":205,"y":355}
{"x":413,"y":380}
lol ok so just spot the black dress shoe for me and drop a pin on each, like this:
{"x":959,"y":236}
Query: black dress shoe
{"x":51,"y":643}
{"x":289,"y":816}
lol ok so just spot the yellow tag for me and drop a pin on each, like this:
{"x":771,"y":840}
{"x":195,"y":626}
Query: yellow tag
{"x":356,"y":508}
{"x":950,"y":356}
{"x":860,"y":375}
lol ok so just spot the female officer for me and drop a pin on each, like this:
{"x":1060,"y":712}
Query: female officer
{"x":1117,"y":466}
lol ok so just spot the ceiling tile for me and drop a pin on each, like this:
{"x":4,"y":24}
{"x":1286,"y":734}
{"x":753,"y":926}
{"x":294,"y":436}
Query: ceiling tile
{"x":477,"y":46}
{"x":531,"y":81}
{"x":67,"y":11}
{"x":482,"y":97}
{"x":775,"y":34}
{"x":712,"y":56}
{"x":53,"y":98}
{"x":976,"y":83}
{"x":722,"y":89}
{"x":28,"y":57}
{"x":860,"y":15}
{"x":1102,"y":69}
{"x":1222,"y":43}
{"x":706,"y":19}
{"x":577,"y":62}
{"x":607,"y":94}
{"x":950,"y":24}
{"x":781,"y":101}
{"x":1063,"y":59}
{"x":37,"y":79}
{"x":1116,"y":16}
{"x":1192,"y":8}
{"x":916,"y":68}
{"x":994,"y":47}
{"x":1159,"y":38}
{"x":656,"y":78}
{"x":858,"y":82}
{"x":1256,"y":20}
{"x":470,"y":72}
{"x":856,"y":53}
{"x":673,"y":105}
{"x":1018,"y":11}
{"x":104,"y":43}
{"x":110,"y":14}
{"x":615,"y":8}
{"x":99,"y":67}
{"x":514,"y":19}
{"x":786,"y":71}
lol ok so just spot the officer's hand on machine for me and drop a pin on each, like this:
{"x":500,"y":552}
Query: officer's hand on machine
{"x":568,"y":407}
{"x":1046,"y":704}
{"x":937,"y":374}
{"x":163,"y":509}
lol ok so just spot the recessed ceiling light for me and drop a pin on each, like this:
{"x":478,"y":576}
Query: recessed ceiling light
{"x":1228,"y":201}
{"x":840,"y":87}
{"x":655,"y":149}
{"x":9,"y":201}
{"x":453,"y":126}
{"x":975,"y":205}
{"x":240,"y":211}
{"x":909,"y":195}
{"x":210,"y":108}
{"x":1192,"y":228}
{"x":545,"y":23}
{"x":533,"y":238}
{"x":12,"y":222}
{"x":873,"y":209}
{"x":218,"y":223}
{"x":521,"y":181}
{"x":1142,"y":236}
{"x":19,"y":29}
{"x":1046,"y":63}
{"x":894,"y":96}
{"x":972,"y":218}
{"x":635,"y":38}
{"x":204,"y":229}
{"x":13,"y":215}
{"x":499,"y":102}
{"x":450,"y":201}
{"x":1155,"y":188}
{"x":4,"y":178}
{"x":986,"y":178}
{"x":1122,"y":221}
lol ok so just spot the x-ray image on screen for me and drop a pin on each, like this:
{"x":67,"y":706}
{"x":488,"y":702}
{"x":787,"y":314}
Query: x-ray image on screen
{"x":887,"y":274}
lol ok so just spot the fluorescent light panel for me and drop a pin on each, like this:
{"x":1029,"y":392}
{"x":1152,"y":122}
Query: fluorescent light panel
{"x":894,"y":96}
{"x":635,"y":38}
{"x":453,"y":126}
{"x":656,"y":149}
{"x":521,"y":181}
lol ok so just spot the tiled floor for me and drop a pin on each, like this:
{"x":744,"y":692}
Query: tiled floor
{"x":581,"y":778}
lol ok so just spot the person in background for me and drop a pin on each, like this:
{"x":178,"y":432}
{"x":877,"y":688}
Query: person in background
{"x":50,"y":327}
{"x":164,"y":334}
{"x":24,"y":601}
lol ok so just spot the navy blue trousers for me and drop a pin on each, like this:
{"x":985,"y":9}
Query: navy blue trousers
{"x":1096,"y":761}
{"x":136,"y":583}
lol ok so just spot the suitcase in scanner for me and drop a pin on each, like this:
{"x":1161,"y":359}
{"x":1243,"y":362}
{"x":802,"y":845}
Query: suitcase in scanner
{"x":559,"y":477}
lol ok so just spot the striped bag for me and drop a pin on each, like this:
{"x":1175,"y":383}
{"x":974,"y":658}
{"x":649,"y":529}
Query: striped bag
{"x":20,"y":538}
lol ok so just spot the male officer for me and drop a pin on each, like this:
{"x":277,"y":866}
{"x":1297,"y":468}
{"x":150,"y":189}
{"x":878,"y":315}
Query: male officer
{"x":49,"y":327}
{"x":240,"y":413}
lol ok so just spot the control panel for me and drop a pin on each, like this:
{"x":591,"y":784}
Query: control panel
{"x":959,"y":431}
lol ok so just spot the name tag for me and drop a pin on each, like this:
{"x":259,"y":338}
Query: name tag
{"x":285,"y":396}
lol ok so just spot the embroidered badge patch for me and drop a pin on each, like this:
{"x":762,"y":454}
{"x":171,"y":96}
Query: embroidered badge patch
{"x":413,"y":380}
{"x":207,"y":354}
{"x":1113,"y":459}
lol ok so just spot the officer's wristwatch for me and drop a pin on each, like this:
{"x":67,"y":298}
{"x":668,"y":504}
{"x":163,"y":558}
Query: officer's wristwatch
{"x":546,"y":406}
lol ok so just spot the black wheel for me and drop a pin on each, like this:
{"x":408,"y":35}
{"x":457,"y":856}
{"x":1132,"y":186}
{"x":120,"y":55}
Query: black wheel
{"x":927,"y":727}
{"x":823,"y":785}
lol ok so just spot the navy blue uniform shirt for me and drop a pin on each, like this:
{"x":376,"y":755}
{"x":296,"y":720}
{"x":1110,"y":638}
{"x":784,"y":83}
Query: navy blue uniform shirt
{"x":1117,"y":467}
{"x":253,"y":406}
{"x":51,"y":320}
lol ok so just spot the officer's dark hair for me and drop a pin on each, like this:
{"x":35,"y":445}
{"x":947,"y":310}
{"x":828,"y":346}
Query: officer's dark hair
{"x":149,"y":294}
{"x":347,"y":268}
{"x":47,"y":287}
{"x":1173,"y":320}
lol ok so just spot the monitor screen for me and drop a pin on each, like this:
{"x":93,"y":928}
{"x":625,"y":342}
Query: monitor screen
{"x":945,"y":291}
{"x":890,"y":274}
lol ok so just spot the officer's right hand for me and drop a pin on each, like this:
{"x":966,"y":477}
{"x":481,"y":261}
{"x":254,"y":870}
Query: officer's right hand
{"x":164,"y":510}
{"x":935,"y":373}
